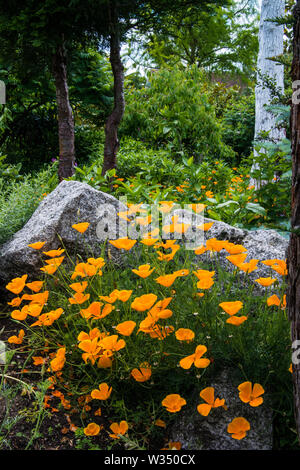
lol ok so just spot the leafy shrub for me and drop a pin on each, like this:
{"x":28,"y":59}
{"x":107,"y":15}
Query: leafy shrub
{"x":238,"y":123}
{"x":173,"y":111}
{"x":274,"y":176}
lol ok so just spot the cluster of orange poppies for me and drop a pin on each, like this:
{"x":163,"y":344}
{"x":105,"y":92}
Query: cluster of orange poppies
{"x":101,"y":347}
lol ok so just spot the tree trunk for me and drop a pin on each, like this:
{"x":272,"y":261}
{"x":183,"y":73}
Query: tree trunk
{"x":293,"y":297}
{"x":270,"y":45}
{"x":111,"y":146}
{"x":64,"y":115}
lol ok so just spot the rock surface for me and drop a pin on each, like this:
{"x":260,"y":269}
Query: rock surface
{"x":196,"y":432}
{"x":70,"y":203}
{"x":260,"y":244}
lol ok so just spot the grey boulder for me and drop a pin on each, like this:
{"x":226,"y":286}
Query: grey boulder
{"x":70,"y":203}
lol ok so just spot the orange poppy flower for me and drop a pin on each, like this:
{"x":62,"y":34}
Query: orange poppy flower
{"x":79,"y":287}
{"x":20,"y":314}
{"x":81,"y":227}
{"x":166,"y":280}
{"x":238,"y":427}
{"x":237,"y":259}
{"x":15,"y":302}
{"x":273,"y":300}
{"x":54,"y":253}
{"x":160,"y":423}
{"x":173,"y":402}
{"x":160,"y":332}
{"x":205,"y":227}
{"x":233,"y":249}
{"x":208,"y":394}
{"x":94,"y":333}
{"x":35,"y":286}
{"x":160,"y":306}
{"x":185,"y":334}
{"x":103,"y":393}
{"x":37,"y":245}
{"x":34,"y":309}
{"x":204,"y":274}
{"x":277,"y":265}
{"x":175,"y":226}
{"x":17,"y":339}
{"x":55,"y":261}
{"x":143,"y":221}
{"x":197,"y":207}
{"x":265,"y":281}
{"x":97,"y":262}
{"x":196,"y":359}
{"x":49,"y":268}
{"x":118,"y":429}
{"x":91,"y":350}
{"x":231,"y":307}
{"x":144,"y":302}
{"x":172,"y":446}
{"x":38,"y":361}
{"x":205,"y":283}
{"x":123,"y":295}
{"x":59,"y":361}
{"x":200,"y":250}
{"x":237,"y":321}
{"x":17,"y":285}
{"x":133,"y":208}
{"x":280,"y":267}
{"x":165,"y":206}
{"x":214,"y":245}
{"x":112,"y":343}
{"x":126,"y":328}
{"x":123,"y":243}
{"x":105,"y":361}
{"x":98,"y":412}
{"x":92,"y":429}
{"x":95,"y":310}
{"x":83,"y":270}
{"x":79,"y":298}
{"x":39,"y":298}
{"x":181,"y":272}
{"x":251,"y":395}
{"x":149,"y":241}
{"x":170,"y":244}
{"x":143,"y":373}
{"x":249,"y":267}
{"x":143,"y":271}
{"x":47,"y":319}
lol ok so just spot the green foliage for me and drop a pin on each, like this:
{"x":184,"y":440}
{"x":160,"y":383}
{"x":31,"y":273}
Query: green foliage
{"x":173,"y":112}
{"x":28,"y":125}
{"x":19,"y":200}
{"x":238,"y":123}
{"x":215,"y":37}
{"x":274,"y":177}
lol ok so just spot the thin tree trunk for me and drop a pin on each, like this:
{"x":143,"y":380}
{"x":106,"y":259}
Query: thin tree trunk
{"x":270,"y":45}
{"x":293,"y":297}
{"x":111,"y":146}
{"x":64,"y":116}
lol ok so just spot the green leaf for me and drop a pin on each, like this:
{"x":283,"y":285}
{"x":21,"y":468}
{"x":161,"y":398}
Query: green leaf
{"x":256,"y":208}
